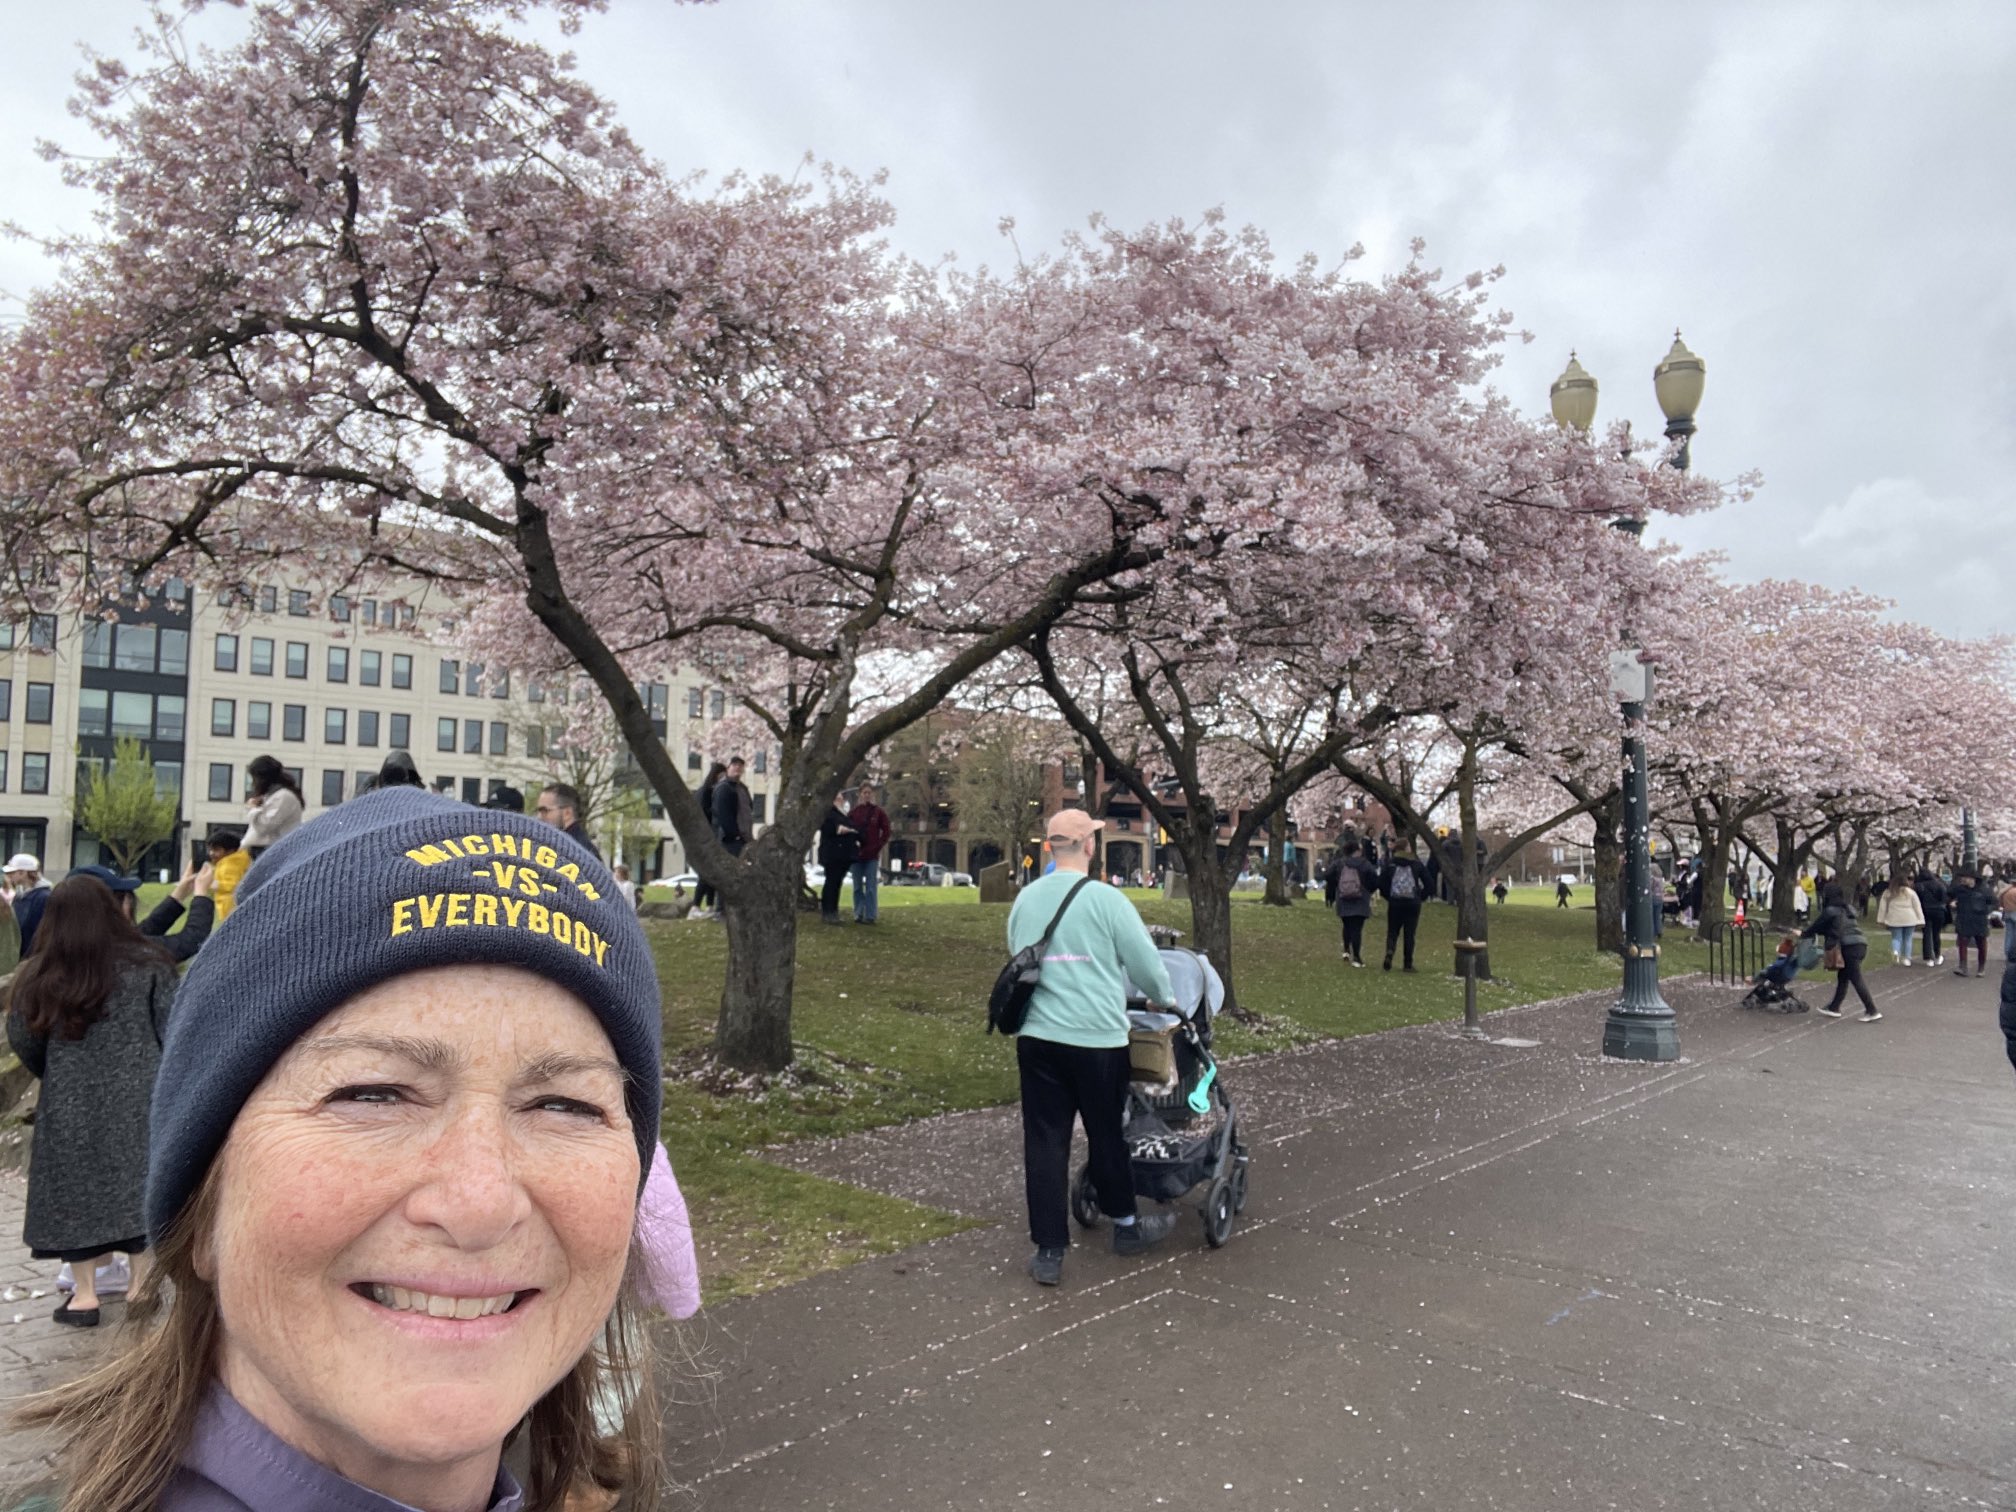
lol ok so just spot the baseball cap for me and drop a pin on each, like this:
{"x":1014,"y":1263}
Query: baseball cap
{"x":108,"y":876}
{"x":22,"y":861}
{"x":507,"y":799}
{"x":1071,"y":824}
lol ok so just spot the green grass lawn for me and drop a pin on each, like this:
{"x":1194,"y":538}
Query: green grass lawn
{"x":889,"y":1020}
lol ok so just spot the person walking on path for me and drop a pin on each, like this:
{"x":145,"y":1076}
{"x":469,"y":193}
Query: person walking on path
{"x":1562,"y":893}
{"x":1932,"y":899}
{"x":1836,"y":927}
{"x":1972,"y":903}
{"x":1357,"y":880}
{"x":1072,"y":1048}
{"x":703,"y":893}
{"x":872,"y":829}
{"x":274,"y":807}
{"x":837,"y":849}
{"x":560,"y":806}
{"x":1403,"y":883}
{"x":1900,"y":912}
{"x":86,"y":1014}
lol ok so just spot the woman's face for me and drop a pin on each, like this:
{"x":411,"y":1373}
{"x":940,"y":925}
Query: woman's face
{"x":424,"y":1214}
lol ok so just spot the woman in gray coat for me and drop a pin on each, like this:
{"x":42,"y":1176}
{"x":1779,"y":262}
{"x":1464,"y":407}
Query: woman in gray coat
{"x":1355,"y":882}
{"x":86,"y":1015}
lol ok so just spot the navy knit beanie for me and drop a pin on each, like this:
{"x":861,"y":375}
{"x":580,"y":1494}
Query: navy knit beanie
{"x":397,"y":880}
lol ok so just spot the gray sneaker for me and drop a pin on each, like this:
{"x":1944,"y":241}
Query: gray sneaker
{"x":1047,"y":1266}
{"x":1144,"y":1233}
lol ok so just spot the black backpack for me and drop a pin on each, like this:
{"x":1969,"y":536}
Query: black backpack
{"x":1008,"y":1003}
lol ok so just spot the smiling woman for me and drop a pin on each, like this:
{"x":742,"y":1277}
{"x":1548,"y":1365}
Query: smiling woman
{"x":394,"y":1192}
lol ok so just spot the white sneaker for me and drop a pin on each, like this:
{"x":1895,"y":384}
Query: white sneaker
{"x":114,"y":1277}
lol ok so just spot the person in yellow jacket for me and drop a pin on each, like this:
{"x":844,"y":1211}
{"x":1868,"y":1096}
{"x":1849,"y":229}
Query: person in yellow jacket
{"x":228,"y":864}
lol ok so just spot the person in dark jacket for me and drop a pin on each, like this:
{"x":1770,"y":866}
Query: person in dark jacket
{"x":1403,"y":883}
{"x":872,"y":822}
{"x":86,"y":1014}
{"x":1932,"y":897}
{"x":1355,"y":883}
{"x":192,"y":893}
{"x":2008,"y":904}
{"x":734,"y":809}
{"x":703,"y":892}
{"x":838,"y":843}
{"x":1972,"y":903}
{"x":31,"y":895}
{"x":560,"y":806}
{"x":1836,"y":927}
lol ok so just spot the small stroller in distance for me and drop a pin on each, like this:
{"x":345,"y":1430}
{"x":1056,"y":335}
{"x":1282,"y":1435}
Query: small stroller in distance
{"x":1771,"y":988}
{"x":1182,"y":1133}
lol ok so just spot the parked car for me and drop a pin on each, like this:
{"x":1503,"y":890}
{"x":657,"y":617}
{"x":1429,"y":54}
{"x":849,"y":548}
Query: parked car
{"x":687,"y":880}
{"x":923,"y":874}
{"x":962,"y":879}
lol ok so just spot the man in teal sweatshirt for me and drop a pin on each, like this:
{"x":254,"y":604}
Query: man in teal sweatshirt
{"x":1072,"y":1051}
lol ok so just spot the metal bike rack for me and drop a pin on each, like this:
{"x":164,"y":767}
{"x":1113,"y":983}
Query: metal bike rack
{"x":1736,"y":953}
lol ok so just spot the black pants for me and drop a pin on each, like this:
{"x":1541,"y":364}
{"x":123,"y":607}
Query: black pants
{"x":1354,"y":936}
{"x":1933,"y":946}
{"x":1060,"y":1082}
{"x":829,"y":895}
{"x":1401,"y":919}
{"x":1850,"y":975}
{"x":703,"y":894}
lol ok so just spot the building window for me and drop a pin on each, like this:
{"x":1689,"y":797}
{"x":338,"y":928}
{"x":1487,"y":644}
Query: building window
{"x":762,"y":762}
{"x":757,"y":803}
{"x":335,"y":726}
{"x":500,"y":738}
{"x":223,"y":716}
{"x":3,"y":770}
{"x":535,"y":742}
{"x":402,"y":732}
{"x":94,"y":712}
{"x":692,"y":759}
{"x":41,"y":703}
{"x":332,"y":789}
{"x":174,"y":653}
{"x":269,"y":599}
{"x":472,"y":737}
{"x":339,"y":609}
{"x":168,"y":778}
{"x":41,"y":637}
{"x":258,"y":719}
{"x":406,"y":616}
{"x":226,"y":659}
{"x":717,"y":704}
{"x":535,"y":690}
{"x":297,"y":659}
{"x":444,"y":734}
{"x":98,"y":644}
{"x":262,"y":656}
{"x":35,"y":772}
{"x":368,"y":665}
{"x":472,"y":680}
{"x":294,"y":721}
{"x":363,"y":782}
{"x":339,"y":664}
{"x":402,"y":670}
{"x":696,"y":703}
{"x":369,"y":612}
{"x":300,"y":777}
{"x":297,"y":602}
{"x":133,"y":648}
{"x":6,"y":699}
{"x":170,"y":713}
{"x":472,"y":789}
{"x":220,"y":782}
{"x":500,"y":685}
{"x":367,"y":727}
{"x":451,"y":676}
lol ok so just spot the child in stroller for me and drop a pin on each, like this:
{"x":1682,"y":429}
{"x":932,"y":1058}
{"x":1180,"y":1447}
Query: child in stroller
{"x":1771,"y":988}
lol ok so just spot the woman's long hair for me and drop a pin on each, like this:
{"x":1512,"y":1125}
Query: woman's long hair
{"x":715,"y":773}
{"x":267,"y":774}
{"x":83,"y":945}
{"x":127,"y":1424}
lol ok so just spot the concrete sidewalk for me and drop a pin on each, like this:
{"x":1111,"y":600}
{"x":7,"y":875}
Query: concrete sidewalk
{"x":1507,"y":1276}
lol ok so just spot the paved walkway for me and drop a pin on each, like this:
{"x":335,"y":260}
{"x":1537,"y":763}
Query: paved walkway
{"x":34,"y":1351}
{"x":1504,"y":1276}
{"x":1509,"y":1276}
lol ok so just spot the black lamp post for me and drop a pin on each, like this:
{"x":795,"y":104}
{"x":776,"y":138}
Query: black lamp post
{"x":1640,"y":1025}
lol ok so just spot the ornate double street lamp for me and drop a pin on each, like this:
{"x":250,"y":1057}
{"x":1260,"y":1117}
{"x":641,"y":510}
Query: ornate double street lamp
{"x":1640,"y":1025}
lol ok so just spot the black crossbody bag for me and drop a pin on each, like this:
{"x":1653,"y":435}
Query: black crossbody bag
{"x":1008,"y":1003}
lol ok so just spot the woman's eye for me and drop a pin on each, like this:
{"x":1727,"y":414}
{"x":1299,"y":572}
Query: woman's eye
{"x":572,"y":1106}
{"x":373,"y":1093}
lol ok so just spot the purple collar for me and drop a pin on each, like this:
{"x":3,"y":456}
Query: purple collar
{"x":234,"y":1463}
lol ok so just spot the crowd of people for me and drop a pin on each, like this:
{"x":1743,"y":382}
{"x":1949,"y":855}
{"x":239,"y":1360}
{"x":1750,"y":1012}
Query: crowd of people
{"x":390,"y":1200}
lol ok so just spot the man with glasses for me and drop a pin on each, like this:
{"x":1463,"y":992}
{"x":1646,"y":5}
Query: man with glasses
{"x":560,"y":806}
{"x":1072,"y":1049}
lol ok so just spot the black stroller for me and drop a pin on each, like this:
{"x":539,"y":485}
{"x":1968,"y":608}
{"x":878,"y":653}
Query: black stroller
{"x":1771,"y":988}
{"x":1182,"y":1133}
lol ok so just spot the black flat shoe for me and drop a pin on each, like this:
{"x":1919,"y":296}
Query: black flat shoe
{"x":83,"y":1317}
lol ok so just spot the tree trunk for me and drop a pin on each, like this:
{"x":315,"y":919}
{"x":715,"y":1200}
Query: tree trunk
{"x":1716,"y":843}
{"x":1211,"y":917}
{"x":759,"y":908}
{"x":1277,"y":861}
{"x":1609,"y":876}
{"x":1785,"y":864}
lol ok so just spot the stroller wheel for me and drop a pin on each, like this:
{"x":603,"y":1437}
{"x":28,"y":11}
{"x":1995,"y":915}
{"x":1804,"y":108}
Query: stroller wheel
{"x":1218,"y":1212}
{"x":1084,"y":1199}
{"x":1238,"y":1181}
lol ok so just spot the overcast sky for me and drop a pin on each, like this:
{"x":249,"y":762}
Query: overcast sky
{"x":1819,"y":195}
